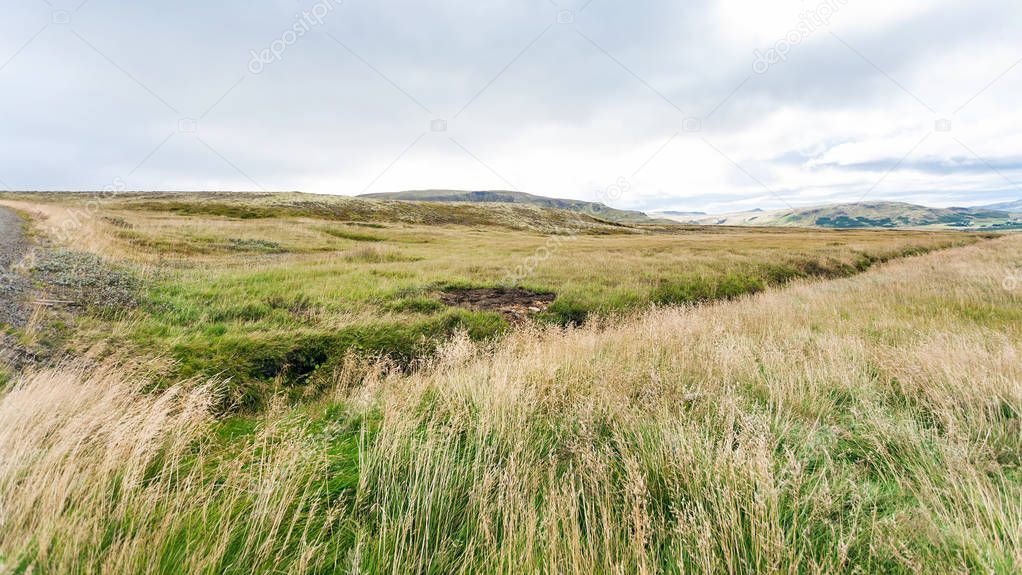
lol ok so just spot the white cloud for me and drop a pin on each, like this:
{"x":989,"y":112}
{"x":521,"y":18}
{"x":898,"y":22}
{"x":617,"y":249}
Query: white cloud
{"x":560,"y":109}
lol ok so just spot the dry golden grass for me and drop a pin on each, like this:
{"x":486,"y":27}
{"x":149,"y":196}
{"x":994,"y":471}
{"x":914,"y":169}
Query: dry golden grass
{"x":242,"y":285}
{"x":869,"y":424}
{"x":69,"y":437}
{"x":74,"y":226}
{"x":737,"y":422}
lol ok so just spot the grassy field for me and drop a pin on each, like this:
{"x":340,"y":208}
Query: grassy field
{"x":273,"y":291}
{"x":869,"y":424}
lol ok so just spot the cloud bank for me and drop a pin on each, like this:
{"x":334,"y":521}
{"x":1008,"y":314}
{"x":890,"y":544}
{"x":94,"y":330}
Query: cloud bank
{"x":714,"y":106}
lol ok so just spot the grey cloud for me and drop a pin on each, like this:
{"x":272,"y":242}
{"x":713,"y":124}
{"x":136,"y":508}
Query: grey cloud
{"x":87,"y":101}
{"x":942,"y":167}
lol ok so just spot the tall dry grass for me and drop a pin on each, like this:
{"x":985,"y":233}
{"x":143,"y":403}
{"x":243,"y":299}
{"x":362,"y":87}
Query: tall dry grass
{"x":870,"y":424}
{"x":98,"y":475}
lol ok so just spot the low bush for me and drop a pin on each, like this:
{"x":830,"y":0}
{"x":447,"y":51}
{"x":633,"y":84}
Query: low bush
{"x":87,"y":280}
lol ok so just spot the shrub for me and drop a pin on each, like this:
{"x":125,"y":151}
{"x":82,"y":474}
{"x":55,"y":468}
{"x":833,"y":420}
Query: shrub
{"x":87,"y":280}
{"x":253,"y":245}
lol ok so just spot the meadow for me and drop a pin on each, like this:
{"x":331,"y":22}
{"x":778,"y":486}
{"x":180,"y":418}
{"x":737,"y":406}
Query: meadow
{"x":862,"y":424}
{"x":272,"y":292}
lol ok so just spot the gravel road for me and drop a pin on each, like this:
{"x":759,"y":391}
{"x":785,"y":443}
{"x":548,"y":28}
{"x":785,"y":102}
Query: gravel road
{"x":12,"y":285}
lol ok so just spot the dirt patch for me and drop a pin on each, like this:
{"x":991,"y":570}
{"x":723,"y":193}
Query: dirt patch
{"x":15,"y":357}
{"x":515,"y":304}
{"x":13,"y":285}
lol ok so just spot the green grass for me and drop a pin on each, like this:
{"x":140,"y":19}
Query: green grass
{"x":351,"y":235}
{"x":869,"y":425}
{"x":268,"y":289}
{"x":300,"y":363}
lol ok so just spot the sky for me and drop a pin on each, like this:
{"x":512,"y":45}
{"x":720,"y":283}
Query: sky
{"x":686,"y":105}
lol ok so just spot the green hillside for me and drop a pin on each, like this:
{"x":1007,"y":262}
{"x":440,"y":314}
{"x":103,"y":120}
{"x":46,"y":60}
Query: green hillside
{"x":281,"y":205}
{"x":594,"y":209}
{"x":1015,"y":206}
{"x":869,"y":215}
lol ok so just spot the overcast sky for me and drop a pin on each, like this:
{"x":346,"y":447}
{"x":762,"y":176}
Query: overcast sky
{"x":686,"y":105}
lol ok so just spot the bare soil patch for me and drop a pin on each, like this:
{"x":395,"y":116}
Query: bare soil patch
{"x":515,"y":304}
{"x":13,"y":285}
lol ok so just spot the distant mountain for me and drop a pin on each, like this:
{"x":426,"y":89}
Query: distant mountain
{"x":869,"y":215}
{"x":676,"y":213}
{"x":594,"y":209}
{"x":1015,"y":206}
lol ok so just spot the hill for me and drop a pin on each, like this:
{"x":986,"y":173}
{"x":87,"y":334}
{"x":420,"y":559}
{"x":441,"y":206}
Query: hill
{"x":1015,"y":206}
{"x":277,"y":205}
{"x":868,"y":215}
{"x":594,"y":209}
{"x":677,"y":213}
